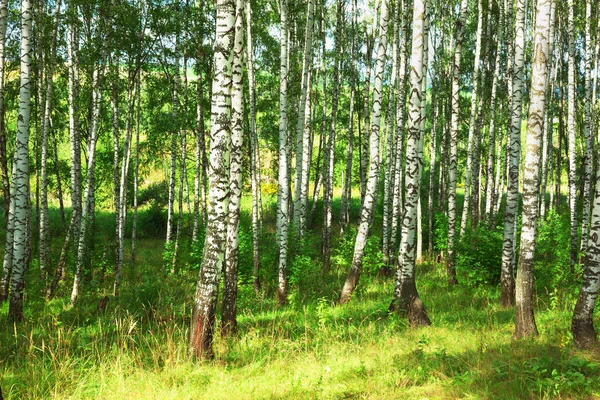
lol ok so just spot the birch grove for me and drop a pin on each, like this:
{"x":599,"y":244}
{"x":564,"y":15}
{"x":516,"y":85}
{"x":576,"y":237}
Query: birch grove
{"x":276,"y":153}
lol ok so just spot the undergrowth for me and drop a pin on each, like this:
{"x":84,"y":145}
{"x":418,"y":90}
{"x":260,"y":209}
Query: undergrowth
{"x":312,"y":348}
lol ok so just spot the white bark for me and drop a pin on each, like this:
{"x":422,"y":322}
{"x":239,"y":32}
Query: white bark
{"x":20,"y":193}
{"x":203,"y":317}
{"x":302,"y":134}
{"x":283,"y":180}
{"x":368,"y":205}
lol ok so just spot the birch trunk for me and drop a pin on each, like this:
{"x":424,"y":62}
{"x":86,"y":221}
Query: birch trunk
{"x":589,"y":143}
{"x":87,"y":217}
{"x":406,"y":297}
{"x":346,"y":201}
{"x":328,"y":155}
{"x":20,"y":192}
{"x":284,"y":146}
{"x":3,"y":157}
{"x":368,"y":206}
{"x":302,"y":142}
{"x":454,"y":142}
{"x":397,"y":205}
{"x":489,"y":182}
{"x":572,"y":99}
{"x":253,"y":150}
{"x":229,"y":309}
{"x":44,"y":222}
{"x":474,"y":107}
{"x":524,"y":319}
{"x":205,"y":303}
{"x":136,"y":171}
{"x":388,"y":180}
{"x":512,"y":200}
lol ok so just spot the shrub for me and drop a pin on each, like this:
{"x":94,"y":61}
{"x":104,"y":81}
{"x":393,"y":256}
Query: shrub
{"x":479,"y":256}
{"x":440,"y":232}
{"x":552,"y":255}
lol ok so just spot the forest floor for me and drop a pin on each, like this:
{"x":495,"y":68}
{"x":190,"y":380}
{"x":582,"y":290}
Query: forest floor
{"x":137,"y":347}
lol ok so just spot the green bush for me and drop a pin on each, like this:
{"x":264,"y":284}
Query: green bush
{"x":440,"y":232}
{"x":156,"y":194}
{"x":479,"y":256}
{"x":151,"y":223}
{"x":552,"y":266}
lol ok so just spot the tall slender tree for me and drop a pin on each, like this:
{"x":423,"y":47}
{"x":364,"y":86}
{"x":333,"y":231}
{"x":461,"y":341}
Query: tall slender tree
{"x":406,"y":297}
{"x":512,"y":200}
{"x":229,"y":320}
{"x":328,"y":157}
{"x":524,"y":318}
{"x":20,"y":200}
{"x":302,"y":134}
{"x":453,"y":158}
{"x":205,"y":301}
{"x":472,"y":122}
{"x":572,"y":104}
{"x":368,"y":205}
{"x":283,"y":180}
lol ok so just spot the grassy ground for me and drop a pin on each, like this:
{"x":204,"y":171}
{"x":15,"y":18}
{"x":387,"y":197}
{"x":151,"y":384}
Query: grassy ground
{"x":136,"y":349}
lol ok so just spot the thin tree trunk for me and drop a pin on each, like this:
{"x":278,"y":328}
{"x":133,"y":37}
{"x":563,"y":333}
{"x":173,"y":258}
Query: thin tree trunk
{"x":388,"y":180}
{"x":368,"y":206}
{"x":490,"y":182}
{"x":59,"y":188}
{"x":572,"y":98}
{"x":549,"y":124}
{"x":400,"y":129}
{"x":20,"y":202}
{"x":205,"y":303}
{"x":406,"y":297}
{"x":3,"y":157}
{"x":302,"y":142}
{"x":44,"y":223}
{"x":589,"y":143}
{"x":512,"y":200}
{"x":136,"y":172}
{"x":284,"y":146}
{"x":123,"y":181}
{"x":346,"y":200}
{"x":363,"y":137}
{"x":474,"y":107}
{"x":253,"y":151}
{"x":454,"y":142}
{"x":524,"y":319}
{"x":328,"y":156}
{"x":228,"y":319}
{"x":87,"y":217}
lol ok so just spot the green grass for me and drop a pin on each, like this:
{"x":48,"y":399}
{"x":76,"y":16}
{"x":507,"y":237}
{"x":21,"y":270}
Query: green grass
{"x":311,"y":348}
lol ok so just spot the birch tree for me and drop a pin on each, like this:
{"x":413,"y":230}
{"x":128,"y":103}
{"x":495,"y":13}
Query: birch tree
{"x":20,"y":203}
{"x":302,"y":134}
{"x":347,"y":183}
{"x":472,"y":122}
{"x":512,"y":199}
{"x":44,"y":220}
{"x":406,"y":297}
{"x":328,"y":157}
{"x":255,"y":182}
{"x":571,"y":104}
{"x":388,"y":182}
{"x":524,"y":319}
{"x":283,"y":180}
{"x":3,"y":137}
{"x":589,"y":144}
{"x":228,"y":320}
{"x":368,"y":205}
{"x":453,"y":158}
{"x":213,"y":255}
